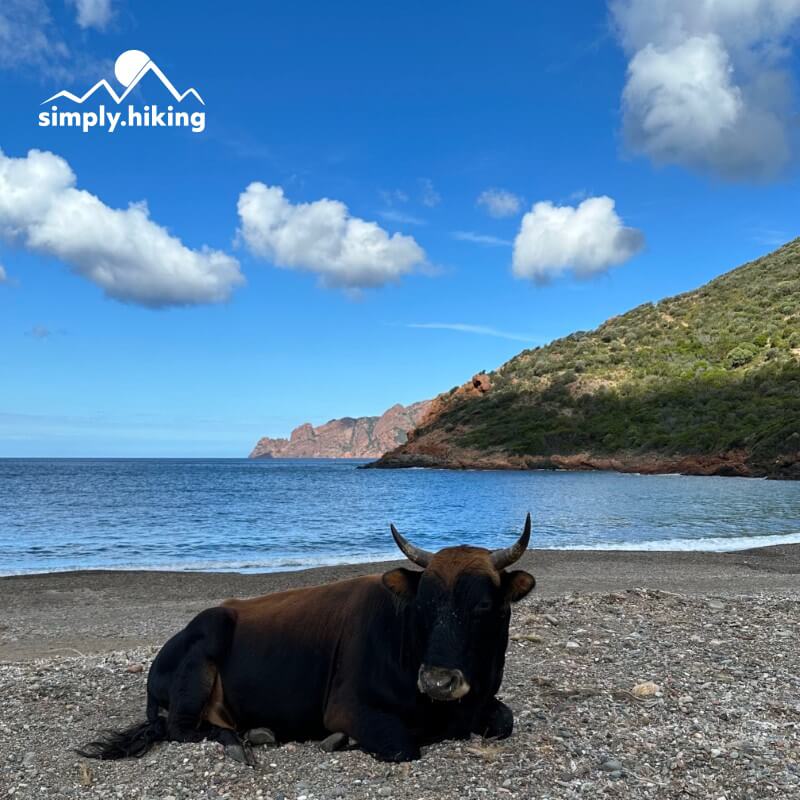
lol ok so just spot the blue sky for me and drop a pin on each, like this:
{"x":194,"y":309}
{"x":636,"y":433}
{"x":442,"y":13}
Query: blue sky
{"x":407,"y":117}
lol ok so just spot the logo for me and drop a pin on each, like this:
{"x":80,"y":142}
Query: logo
{"x":129,"y":69}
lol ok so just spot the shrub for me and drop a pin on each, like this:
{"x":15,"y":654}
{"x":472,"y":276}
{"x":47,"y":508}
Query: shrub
{"x":740,"y":355}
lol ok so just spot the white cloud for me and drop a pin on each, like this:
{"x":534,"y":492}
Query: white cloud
{"x":500,"y":203}
{"x":393,"y":215}
{"x":483,"y":330}
{"x":588,"y":239}
{"x":123,"y":251}
{"x":28,"y":37}
{"x":322,"y":237}
{"x":30,"y":40}
{"x":480,"y":238}
{"x":93,"y":13}
{"x":769,"y":237}
{"x":3,"y":274}
{"x":430,"y":197}
{"x":39,"y":332}
{"x":707,"y":84}
{"x":392,"y":196}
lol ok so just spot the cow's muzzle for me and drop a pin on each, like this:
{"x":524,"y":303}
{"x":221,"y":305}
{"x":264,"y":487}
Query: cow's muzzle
{"x":442,"y":684}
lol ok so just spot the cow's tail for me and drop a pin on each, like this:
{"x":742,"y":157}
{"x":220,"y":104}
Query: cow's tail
{"x":131,"y":742}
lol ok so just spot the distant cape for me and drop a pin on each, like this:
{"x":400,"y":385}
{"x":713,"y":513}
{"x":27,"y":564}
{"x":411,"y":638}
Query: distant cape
{"x":348,"y":437}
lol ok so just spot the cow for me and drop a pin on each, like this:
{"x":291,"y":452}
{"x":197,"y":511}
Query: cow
{"x":393,"y":661}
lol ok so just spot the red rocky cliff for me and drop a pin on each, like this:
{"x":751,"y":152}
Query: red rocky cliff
{"x":362,"y":437}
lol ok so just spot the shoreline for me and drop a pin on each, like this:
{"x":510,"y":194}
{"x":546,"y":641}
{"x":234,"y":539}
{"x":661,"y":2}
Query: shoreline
{"x":94,"y":611}
{"x":709,"y":544}
{"x":734,"y":464}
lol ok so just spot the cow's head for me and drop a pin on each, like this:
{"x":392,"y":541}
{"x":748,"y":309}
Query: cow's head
{"x":462,"y":603}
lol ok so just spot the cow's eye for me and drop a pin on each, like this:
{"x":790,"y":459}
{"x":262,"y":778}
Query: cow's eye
{"x":483,"y":607}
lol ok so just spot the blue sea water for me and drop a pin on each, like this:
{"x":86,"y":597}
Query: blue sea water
{"x":235,"y":514}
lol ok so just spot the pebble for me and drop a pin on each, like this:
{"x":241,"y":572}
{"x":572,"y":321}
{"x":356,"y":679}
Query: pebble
{"x":334,"y":742}
{"x":261,"y":736}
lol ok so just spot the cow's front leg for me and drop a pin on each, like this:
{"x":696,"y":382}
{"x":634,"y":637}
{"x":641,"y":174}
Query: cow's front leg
{"x":380,"y":734}
{"x":496,"y":721}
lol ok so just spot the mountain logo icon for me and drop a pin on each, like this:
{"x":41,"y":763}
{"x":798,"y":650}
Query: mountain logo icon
{"x":129,"y":69}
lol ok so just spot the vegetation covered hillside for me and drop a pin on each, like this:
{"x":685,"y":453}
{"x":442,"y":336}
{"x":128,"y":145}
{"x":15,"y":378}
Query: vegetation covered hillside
{"x":713,"y":372}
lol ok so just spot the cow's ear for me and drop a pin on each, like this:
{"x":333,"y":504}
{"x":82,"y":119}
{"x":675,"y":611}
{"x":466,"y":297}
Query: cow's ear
{"x":403,"y":582}
{"x":517,"y":584}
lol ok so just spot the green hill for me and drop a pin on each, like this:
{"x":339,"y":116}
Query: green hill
{"x":711,"y":376}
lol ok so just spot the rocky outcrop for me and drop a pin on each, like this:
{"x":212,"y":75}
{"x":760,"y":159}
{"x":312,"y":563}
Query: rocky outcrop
{"x":434,"y":446}
{"x":349,"y":437}
{"x":731,"y":464}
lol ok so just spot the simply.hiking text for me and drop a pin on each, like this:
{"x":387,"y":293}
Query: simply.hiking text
{"x":146,"y":117}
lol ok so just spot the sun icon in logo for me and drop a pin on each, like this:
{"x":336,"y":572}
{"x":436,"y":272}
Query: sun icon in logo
{"x":130,"y":65}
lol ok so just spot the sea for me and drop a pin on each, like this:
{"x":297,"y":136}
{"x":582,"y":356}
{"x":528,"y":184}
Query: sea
{"x":268,"y":515}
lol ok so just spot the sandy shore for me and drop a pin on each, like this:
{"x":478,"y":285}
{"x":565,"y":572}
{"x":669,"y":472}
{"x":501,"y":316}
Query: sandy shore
{"x":716,"y":634}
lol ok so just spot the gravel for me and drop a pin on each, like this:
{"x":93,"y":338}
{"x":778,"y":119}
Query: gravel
{"x":664,"y":696}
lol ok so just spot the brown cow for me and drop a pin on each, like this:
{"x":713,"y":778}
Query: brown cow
{"x":394,"y":661}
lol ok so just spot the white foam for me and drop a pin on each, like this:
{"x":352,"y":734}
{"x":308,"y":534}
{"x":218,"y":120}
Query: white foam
{"x":711,"y":544}
{"x":291,"y":563}
{"x":276,"y":564}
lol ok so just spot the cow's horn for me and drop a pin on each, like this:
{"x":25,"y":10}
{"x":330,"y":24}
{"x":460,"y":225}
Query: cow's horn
{"x":415,"y":554}
{"x":508,"y":555}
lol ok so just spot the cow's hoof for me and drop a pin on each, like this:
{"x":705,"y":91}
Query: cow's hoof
{"x":260,"y":736}
{"x":412,"y":754}
{"x":499,"y":722}
{"x":241,"y":753}
{"x":336,"y":741}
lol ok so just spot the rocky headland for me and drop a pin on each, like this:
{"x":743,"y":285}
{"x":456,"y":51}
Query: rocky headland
{"x":348,"y":437}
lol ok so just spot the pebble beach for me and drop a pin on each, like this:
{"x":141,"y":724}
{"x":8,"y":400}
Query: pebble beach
{"x":635,"y":675}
